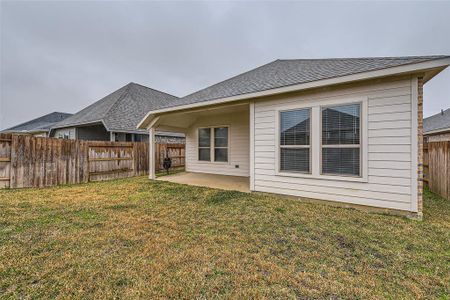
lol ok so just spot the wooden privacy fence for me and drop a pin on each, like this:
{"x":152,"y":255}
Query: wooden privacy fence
{"x":175,"y":151}
{"x":5,"y":159}
{"x":436,"y":167}
{"x":27,"y":161}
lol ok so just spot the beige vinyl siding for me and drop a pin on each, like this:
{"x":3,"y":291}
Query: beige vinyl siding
{"x":239,"y":135}
{"x":389,"y":160}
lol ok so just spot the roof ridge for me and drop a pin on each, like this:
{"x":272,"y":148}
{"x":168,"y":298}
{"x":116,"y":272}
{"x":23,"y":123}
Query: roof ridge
{"x":90,"y":107}
{"x":125,"y":92}
{"x":134,"y":83}
{"x":58,"y":112}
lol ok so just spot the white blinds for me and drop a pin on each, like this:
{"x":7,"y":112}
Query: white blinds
{"x":341,"y":140}
{"x":295,"y":134}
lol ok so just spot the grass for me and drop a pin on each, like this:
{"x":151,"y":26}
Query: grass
{"x":134,"y":238}
{"x":172,"y":171}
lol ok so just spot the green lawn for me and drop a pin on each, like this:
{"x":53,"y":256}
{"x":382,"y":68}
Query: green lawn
{"x":141,"y":239}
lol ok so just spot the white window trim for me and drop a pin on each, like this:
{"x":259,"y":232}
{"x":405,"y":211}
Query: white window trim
{"x":295,"y":146}
{"x":315,"y":138}
{"x":322,"y":107}
{"x":212,"y":146}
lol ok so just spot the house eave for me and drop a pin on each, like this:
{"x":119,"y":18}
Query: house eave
{"x":128,"y":131}
{"x":80,"y":124}
{"x":430,"y":68}
{"x":437,"y":131}
{"x":26,"y":131}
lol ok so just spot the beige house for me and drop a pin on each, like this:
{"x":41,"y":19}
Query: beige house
{"x":115,"y":116}
{"x":343,"y":130}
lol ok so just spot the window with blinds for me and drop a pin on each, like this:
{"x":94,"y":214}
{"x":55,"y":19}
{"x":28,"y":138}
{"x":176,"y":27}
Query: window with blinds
{"x":204,"y":144}
{"x":341,"y":140}
{"x":295,"y":145}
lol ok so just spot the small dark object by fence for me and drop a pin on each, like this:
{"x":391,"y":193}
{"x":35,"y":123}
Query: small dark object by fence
{"x":176,"y":152}
{"x":167,"y":163}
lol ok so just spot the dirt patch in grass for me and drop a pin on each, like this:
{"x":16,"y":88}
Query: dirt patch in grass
{"x":141,"y":239}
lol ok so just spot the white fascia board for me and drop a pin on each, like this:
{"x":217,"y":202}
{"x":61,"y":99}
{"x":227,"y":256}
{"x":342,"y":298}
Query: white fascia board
{"x":405,"y":69}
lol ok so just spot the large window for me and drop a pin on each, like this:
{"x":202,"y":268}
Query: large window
{"x":341,"y":140}
{"x":221,"y":144}
{"x":204,"y":144}
{"x":295,"y":132}
{"x":215,"y":139}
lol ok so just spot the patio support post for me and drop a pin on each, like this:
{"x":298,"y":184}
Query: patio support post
{"x":252,"y":145}
{"x":151,"y":148}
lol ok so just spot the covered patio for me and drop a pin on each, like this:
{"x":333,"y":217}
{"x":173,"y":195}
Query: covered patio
{"x":224,"y":182}
{"x":217,"y":144}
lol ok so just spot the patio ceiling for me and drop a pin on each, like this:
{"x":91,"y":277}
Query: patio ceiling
{"x":181,"y":121}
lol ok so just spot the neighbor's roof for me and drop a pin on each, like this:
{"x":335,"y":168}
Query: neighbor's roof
{"x":39,"y":124}
{"x":437,"y":122}
{"x":121,"y":110}
{"x":281,"y":73}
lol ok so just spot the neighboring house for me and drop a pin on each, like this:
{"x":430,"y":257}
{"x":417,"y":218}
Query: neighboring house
{"x":39,"y":126}
{"x":115,"y":117}
{"x":437,"y":127}
{"x":345,"y":130}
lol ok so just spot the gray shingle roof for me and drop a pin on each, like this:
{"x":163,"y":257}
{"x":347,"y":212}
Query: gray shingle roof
{"x":121,"y":110}
{"x":440,"y":121}
{"x":281,"y":73}
{"x":39,"y":124}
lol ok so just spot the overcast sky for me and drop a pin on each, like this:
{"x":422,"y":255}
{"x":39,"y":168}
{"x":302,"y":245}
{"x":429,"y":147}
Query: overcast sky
{"x":63,"y":56}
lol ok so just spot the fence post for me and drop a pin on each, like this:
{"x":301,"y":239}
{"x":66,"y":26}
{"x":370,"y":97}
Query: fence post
{"x":5,"y":160}
{"x":426,"y":165}
{"x":157,"y":156}
{"x":27,"y":161}
{"x":152,"y":156}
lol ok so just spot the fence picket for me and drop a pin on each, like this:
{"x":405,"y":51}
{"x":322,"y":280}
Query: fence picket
{"x":27,"y":161}
{"x":437,"y":167}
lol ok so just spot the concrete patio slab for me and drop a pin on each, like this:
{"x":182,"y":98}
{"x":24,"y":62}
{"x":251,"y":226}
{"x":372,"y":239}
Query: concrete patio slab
{"x":224,"y":182}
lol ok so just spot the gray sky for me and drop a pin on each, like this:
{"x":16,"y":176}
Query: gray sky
{"x":63,"y":56}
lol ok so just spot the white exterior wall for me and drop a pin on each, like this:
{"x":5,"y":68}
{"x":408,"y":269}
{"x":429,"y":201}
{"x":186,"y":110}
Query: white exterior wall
{"x":389,"y":149}
{"x":238,"y":124}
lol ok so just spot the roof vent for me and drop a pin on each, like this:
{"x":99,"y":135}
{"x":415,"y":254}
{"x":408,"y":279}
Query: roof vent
{"x":442,"y":112}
